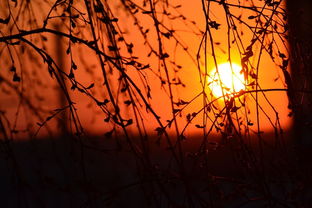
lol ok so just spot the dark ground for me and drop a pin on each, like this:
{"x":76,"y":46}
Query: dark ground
{"x":59,"y":173}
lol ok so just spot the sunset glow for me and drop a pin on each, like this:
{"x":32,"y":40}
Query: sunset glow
{"x":231,"y":79}
{"x":141,"y":66}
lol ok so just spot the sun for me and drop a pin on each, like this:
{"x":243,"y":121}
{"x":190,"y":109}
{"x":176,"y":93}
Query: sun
{"x":229,"y":79}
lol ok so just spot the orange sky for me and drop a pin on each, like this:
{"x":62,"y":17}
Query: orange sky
{"x":188,"y":35}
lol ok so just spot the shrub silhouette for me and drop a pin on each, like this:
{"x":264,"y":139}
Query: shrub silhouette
{"x":138,"y":71}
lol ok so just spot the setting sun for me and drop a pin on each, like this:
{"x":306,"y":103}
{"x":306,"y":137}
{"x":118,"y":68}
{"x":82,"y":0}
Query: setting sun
{"x":231,"y":80}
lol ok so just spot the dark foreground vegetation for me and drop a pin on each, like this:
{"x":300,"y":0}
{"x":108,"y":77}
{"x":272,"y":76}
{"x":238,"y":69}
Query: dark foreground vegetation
{"x":61,"y":172}
{"x":139,"y":74}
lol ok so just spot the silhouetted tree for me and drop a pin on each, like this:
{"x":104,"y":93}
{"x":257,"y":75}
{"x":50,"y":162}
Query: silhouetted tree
{"x":142,"y":70}
{"x":300,"y":37}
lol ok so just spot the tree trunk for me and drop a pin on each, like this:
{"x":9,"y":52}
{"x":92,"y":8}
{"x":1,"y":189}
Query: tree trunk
{"x":63,"y":121}
{"x":300,"y":39}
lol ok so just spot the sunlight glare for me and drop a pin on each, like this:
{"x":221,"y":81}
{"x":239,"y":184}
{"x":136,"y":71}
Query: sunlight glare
{"x":231,"y":79}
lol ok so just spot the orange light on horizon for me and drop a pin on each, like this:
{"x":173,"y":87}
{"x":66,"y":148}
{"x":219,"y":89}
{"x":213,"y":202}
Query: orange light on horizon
{"x":172,"y":84}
